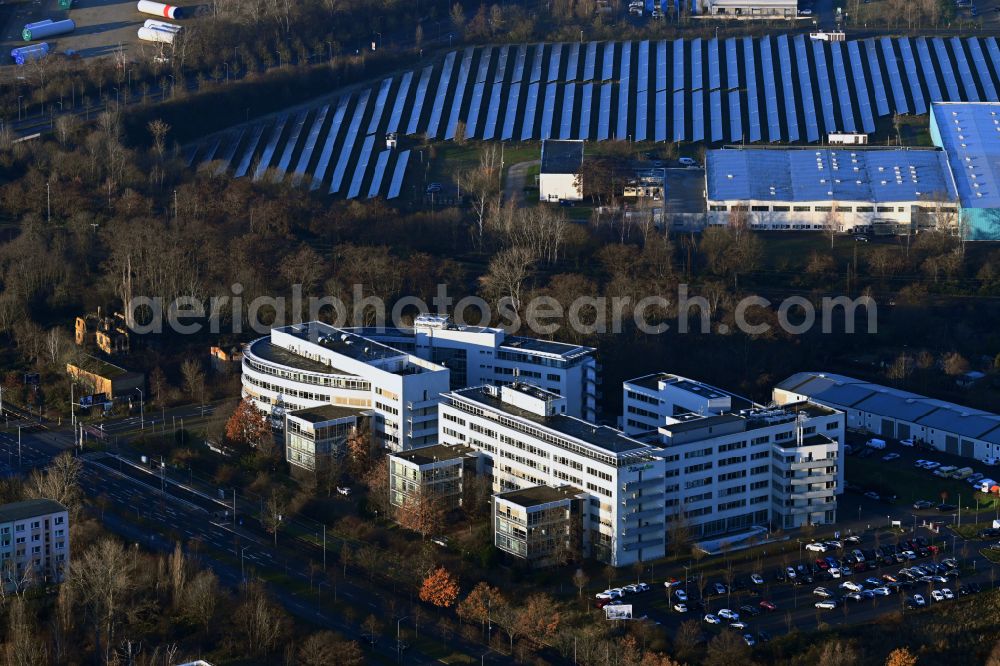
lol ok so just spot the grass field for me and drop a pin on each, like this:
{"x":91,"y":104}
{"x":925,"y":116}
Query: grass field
{"x":910,"y":484}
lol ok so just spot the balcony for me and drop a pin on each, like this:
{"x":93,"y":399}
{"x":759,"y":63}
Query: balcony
{"x":632,"y":516}
{"x":631,"y":486}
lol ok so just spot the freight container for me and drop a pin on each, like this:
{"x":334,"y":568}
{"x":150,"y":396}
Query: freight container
{"x":159,"y":9}
{"x":47,"y":28}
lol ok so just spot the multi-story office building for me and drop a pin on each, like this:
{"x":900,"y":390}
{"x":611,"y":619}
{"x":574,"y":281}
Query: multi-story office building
{"x":540,"y":524}
{"x":315,"y":435}
{"x":312,"y":364}
{"x":526,"y":439}
{"x":34,"y":543}
{"x":732,"y":464}
{"x":436,"y":472}
{"x":478,"y":355}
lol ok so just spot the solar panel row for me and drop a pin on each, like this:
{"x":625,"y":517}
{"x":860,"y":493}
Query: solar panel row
{"x":761,"y":89}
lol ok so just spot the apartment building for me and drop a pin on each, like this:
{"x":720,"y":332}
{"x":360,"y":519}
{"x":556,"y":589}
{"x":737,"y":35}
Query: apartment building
{"x":316,"y":435}
{"x":478,"y":355}
{"x":526,"y":439}
{"x":431,"y":471}
{"x":731,"y":464}
{"x":313,"y":364}
{"x":34,"y":543}
{"x":540,"y":524}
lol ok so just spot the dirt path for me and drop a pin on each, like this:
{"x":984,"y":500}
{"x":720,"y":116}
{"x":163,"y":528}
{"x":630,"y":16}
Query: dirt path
{"x":513,"y":189}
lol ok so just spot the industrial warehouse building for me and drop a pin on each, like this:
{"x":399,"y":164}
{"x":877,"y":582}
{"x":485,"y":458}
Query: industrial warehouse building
{"x":970,"y":135}
{"x":848,"y":190}
{"x":892,"y":413}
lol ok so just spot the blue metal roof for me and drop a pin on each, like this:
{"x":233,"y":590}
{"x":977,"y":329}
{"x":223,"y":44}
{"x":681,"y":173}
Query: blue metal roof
{"x":970,"y":134}
{"x":827,"y":174}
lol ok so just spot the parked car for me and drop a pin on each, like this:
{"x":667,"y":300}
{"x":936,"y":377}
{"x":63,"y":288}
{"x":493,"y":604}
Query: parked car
{"x":756,"y":579}
{"x":712,"y":619}
{"x":875,"y":443}
{"x":923,"y":504}
{"x":727,"y":614}
{"x":906,"y":442}
{"x":826,"y":604}
{"x":890,"y":456}
{"x":945,"y":508}
{"x":681,"y":608}
{"x":767,"y":605}
{"x":919,"y":600}
{"x":817,"y":547}
{"x":681,"y":595}
{"x":748,"y":639}
{"x":881,"y":591}
{"x":719,"y":588}
{"x":688,"y":161}
{"x":822,"y":592}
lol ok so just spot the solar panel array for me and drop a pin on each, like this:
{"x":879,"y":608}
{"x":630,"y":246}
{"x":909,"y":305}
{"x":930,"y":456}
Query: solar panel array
{"x":774,"y":89}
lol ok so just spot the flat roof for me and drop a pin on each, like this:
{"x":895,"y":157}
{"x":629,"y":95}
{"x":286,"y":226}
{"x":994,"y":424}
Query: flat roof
{"x":101,"y":368}
{"x":599,"y":436}
{"x":563,"y":349}
{"x":970,"y":134}
{"x":325,"y":413}
{"x":425,"y":455}
{"x":828,"y":174}
{"x":264,"y":349}
{"x":652,"y":381}
{"x":342,"y":341}
{"x":28,"y":509}
{"x":536,"y":495}
{"x":561,"y":156}
{"x":847,"y":392}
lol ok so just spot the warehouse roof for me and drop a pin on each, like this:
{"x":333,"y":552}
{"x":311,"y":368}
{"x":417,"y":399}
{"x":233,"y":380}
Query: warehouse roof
{"x":970,"y":133}
{"x":844,"y":392}
{"x":561,"y":156}
{"x":827,"y":174}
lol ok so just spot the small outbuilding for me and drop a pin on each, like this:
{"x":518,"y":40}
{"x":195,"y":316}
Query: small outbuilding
{"x":559,"y":177}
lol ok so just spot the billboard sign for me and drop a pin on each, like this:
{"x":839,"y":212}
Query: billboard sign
{"x":620,"y":612}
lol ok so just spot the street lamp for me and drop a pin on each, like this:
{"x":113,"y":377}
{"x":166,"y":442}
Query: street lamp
{"x":399,"y":645}
{"x":243,"y":574}
{"x":142,"y":415}
{"x":227,"y":71}
{"x":19,"y":98}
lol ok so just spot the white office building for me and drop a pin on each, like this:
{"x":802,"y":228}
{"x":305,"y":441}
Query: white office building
{"x":527,"y":439}
{"x":314,"y":437}
{"x":477,"y":355}
{"x":894,"y":414}
{"x":731,"y":464}
{"x":313,"y":364}
{"x":34,"y":543}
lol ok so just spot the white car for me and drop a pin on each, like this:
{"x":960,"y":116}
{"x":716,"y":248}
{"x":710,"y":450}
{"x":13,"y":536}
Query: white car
{"x":644,"y":587}
{"x":822,"y":592}
{"x":827,"y":604}
{"x":343,"y":490}
{"x":851,"y":585}
{"x":737,"y":625}
{"x":817,"y":547}
{"x":948,"y":594}
{"x":681,"y":608}
{"x":756,"y":579}
{"x":834,"y":572}
{"x":937,"y":595}
{"x":890,"y":456}
{"x":712,"y":619}
{"x":608,"y":594}
{"x":688,"y":161}
{"x":919,"y":600}
{"x":631,"y":589}
{"x":906,"y":442}
{"x":681,"y":595}
{"x":882,"y":591}
{"x":930,"y":464}
{"x":730,"y":615}
{"x":909,"y":554}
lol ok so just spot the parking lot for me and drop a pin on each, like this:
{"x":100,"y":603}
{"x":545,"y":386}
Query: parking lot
{"x":102,"y":26}
{"x":773,"y":595}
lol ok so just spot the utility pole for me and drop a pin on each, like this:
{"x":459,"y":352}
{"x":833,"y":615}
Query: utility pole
{"x":19,"y":447}
{"x":48,"y":202}
{"x":324,"y":548}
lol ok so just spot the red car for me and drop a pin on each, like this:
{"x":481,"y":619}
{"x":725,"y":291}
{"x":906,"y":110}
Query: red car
{"x":933,"y":549}
{"x":767,"y":605}
{"x":822,"y":564}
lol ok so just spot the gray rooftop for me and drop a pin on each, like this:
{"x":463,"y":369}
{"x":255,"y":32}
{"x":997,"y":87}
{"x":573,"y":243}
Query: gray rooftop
{"x":561,"y":156}
{"x":29,"y":509}
{"x":425,"y":455}
{"x":545,"y":347}
{"x":326,"y":413}
{"x":602,"y":437}
{"x":535,"y":495}
{"x":826,"y":174}
{"x":845,"y":392}
{"x":275,"y":354}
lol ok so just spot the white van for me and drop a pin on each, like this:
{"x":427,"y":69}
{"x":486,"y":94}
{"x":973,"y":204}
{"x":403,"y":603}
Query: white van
{"x":876,"y":443}
{"x":986,"y":484}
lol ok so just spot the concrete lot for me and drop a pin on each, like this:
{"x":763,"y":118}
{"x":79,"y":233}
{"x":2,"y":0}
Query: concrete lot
{"x":102,"y":26}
